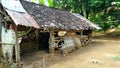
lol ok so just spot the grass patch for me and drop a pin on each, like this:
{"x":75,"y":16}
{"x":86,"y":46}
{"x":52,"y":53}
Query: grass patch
{"x":117,"y":58}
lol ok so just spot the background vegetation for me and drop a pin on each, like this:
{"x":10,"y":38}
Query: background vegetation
{"x":106,"y":13}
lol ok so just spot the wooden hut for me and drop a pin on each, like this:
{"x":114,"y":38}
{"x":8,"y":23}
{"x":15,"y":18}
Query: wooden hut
{"x":57,"y":22}
{"x":63,"y":30}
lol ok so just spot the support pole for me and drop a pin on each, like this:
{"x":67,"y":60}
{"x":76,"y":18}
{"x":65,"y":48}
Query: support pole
{"x":17,"y":46}
{"x":37,"y":35}
{"x":51,"y":42}
{"x":1,"y":17}
{"x":81,"y":34}
{"x":77,"y":42}
{"x":81,"y":38}
{"x":90,"y":37}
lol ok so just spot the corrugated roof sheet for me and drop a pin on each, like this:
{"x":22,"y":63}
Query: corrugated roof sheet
{"x":14,"y":5}
{"x":18,"y":14}
{"x":22,"y":19}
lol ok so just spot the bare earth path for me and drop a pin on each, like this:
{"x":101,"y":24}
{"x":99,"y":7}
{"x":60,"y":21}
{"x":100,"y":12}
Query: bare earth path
{"x":101,"y":51}
{"x":104,"y":52}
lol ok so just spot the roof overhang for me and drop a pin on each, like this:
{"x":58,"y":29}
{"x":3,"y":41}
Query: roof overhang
{"x":87,"y":21}
{"x":13,"y":5}
{"x":22,"y":19}
{"x":16,"y":11}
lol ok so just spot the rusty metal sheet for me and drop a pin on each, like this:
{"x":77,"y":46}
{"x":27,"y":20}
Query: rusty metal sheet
{"x":22,"y":19}
{"x":14,"y":5}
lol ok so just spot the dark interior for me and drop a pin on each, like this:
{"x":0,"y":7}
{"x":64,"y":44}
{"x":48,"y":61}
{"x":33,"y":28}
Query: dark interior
{"x":43,"y":40}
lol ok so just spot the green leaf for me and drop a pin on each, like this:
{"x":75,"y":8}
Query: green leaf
{"x":41,"y":2}
{"x":119,"y":26}
{"x":50,"y":2}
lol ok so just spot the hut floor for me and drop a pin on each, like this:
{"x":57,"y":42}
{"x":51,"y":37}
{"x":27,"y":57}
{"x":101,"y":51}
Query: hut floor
{"x":38,"y":59}
{"x":36,"y":55}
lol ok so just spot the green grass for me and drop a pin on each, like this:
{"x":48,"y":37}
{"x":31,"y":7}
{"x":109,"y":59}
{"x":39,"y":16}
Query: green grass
{"x":117,"y":58}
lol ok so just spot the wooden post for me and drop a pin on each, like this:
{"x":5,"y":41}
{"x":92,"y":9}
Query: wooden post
{"x":51,"y":42}
{"x":77,"y":41}
{"x":81,"y":38}
{"x":90,"y":37}
{"x":17,"y":46}
{"x":81,"y":34}
{"x":37,"y":35}
{"x":1,"y":17}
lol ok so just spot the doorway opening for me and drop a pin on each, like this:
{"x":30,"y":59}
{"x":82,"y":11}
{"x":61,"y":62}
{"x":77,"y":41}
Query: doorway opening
{"x":43,"y":42}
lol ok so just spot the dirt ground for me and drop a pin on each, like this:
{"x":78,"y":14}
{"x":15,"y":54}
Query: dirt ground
{"x":104,"y":52}
{"x":99,"y":55}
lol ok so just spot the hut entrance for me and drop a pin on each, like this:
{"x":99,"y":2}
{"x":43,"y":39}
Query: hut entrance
{"x":44,"y":41}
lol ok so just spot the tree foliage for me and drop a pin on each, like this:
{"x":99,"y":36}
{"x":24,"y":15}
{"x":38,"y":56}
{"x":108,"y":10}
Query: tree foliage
{"x":106,"y":13}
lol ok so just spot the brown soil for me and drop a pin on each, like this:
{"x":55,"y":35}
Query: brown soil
{"x":98,"y":55}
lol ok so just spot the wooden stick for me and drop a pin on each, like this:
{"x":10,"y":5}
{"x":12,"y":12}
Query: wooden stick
{"x":6,"y":43}
{"x":44,"y":63}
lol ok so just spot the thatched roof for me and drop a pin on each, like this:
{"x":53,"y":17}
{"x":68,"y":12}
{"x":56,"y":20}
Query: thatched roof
{"x":86,"y":20}
{"x":54,"y":18}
